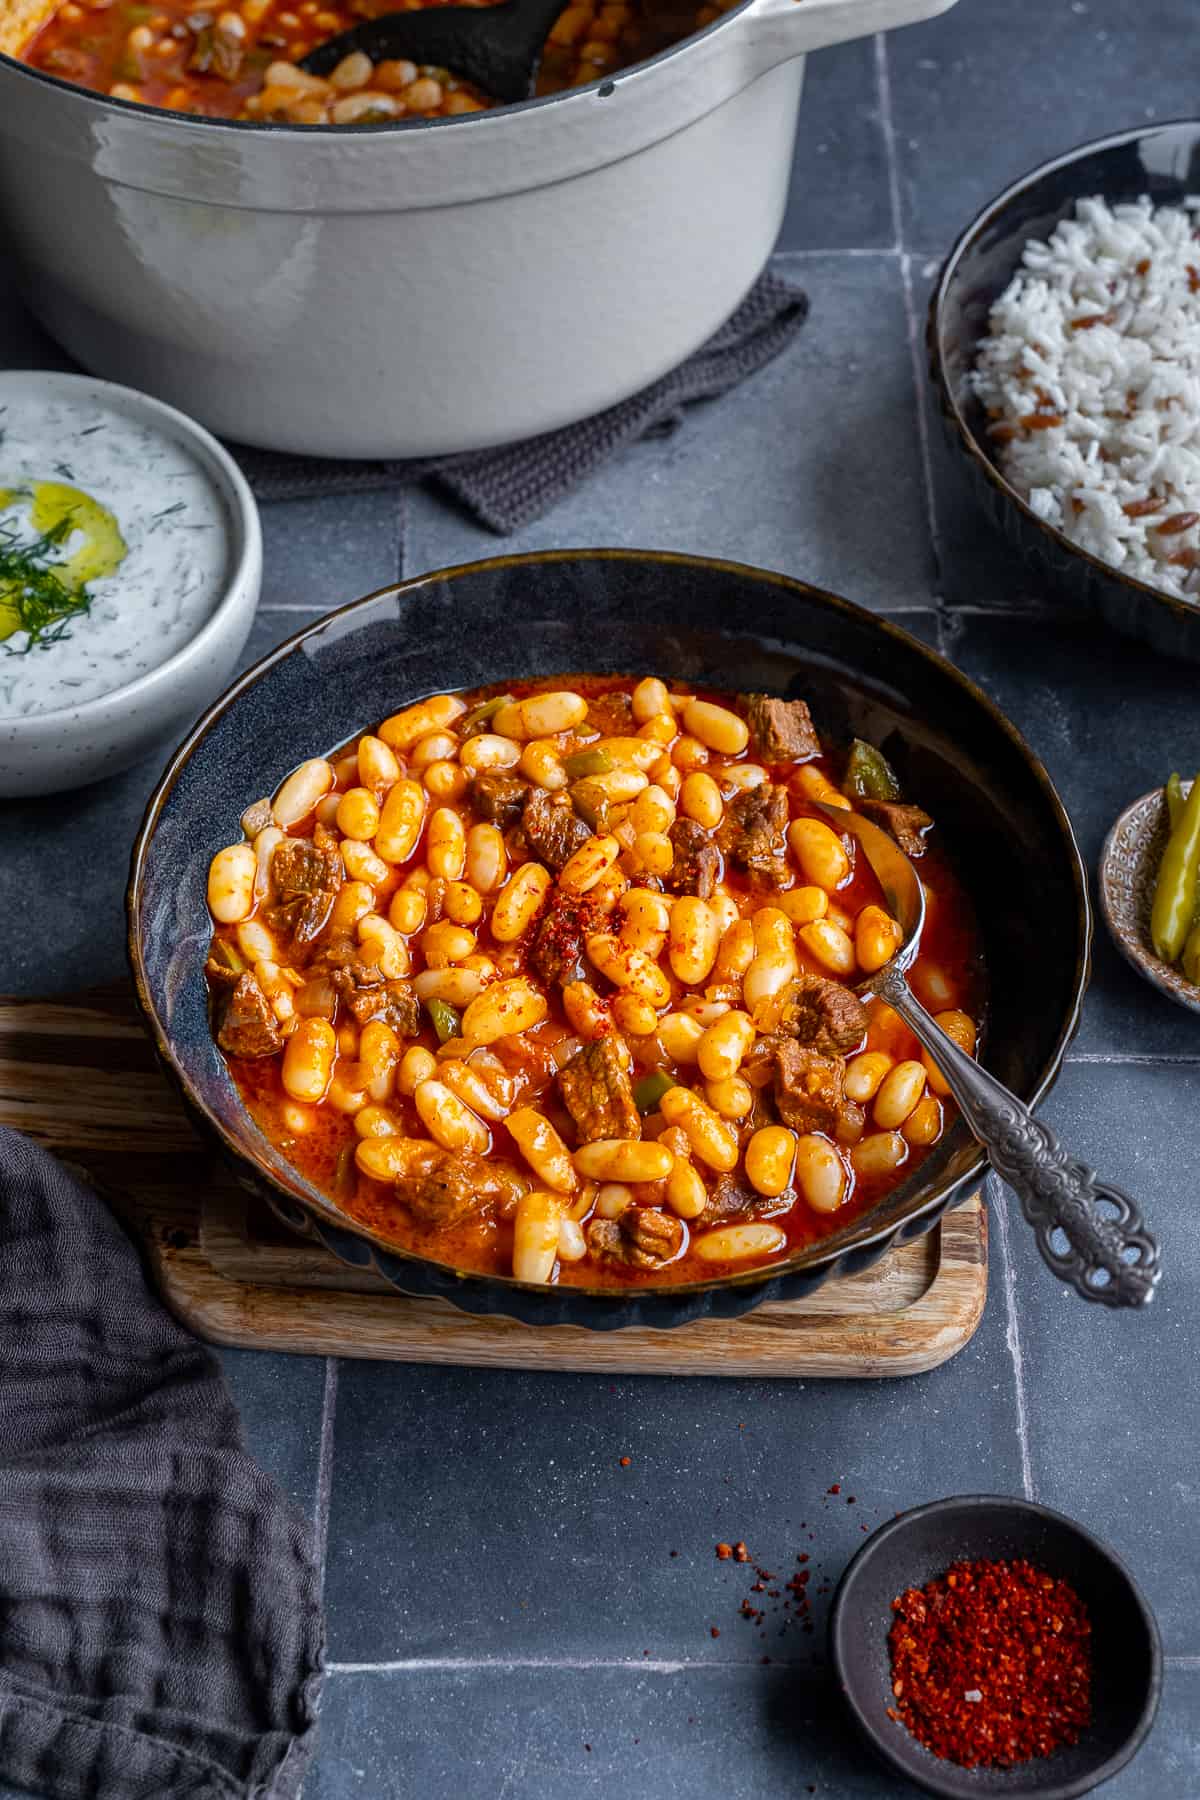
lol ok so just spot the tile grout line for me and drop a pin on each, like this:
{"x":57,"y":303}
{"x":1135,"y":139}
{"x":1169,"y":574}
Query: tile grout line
{"x":325,"y":1468}
{"x":425,"y":1665}
{"x":833,"y":251}
{"x":887,"y":126}
{"x":1012,"y":1334}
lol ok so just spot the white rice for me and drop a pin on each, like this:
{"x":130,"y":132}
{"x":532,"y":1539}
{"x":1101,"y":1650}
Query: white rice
{"x":1121,"y":398}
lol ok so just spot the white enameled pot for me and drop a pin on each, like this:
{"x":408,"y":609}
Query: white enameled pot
{"x":415,"y":288}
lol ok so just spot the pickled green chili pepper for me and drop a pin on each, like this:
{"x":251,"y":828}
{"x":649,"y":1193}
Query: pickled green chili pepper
{"x":1174,"y":799}
{"x":444,"y":1019}
{"x":650,"y":1089}
{"x":1189,"y":962}
{"x":587,"y":762}
{"x":869,"y":774}
{"x":1175,"y":894}
{"x":481,"y":714}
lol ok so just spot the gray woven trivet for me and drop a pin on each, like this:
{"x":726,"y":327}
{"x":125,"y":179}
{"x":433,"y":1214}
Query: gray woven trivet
{"x":508,"y":487}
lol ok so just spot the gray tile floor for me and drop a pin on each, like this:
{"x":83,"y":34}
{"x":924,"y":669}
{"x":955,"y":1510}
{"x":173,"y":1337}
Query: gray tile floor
{"x":506,"y":1620}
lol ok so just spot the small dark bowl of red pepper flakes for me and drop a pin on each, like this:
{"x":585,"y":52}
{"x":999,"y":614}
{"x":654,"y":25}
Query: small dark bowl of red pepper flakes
{"x":986,"y":1645}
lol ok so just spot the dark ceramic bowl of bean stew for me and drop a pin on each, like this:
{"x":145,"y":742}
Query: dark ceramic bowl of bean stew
{"x":1097,"y":1674}
{"x":379,"y":1185}
{"x":1162,"y":161}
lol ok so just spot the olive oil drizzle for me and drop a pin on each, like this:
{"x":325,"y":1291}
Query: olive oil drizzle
{"x":42,"y":594}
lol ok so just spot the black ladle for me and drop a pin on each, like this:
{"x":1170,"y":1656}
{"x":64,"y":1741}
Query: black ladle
{"x":496,"y":48}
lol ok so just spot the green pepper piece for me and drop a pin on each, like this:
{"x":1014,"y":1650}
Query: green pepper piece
{"x":479,"y":715}
{"x":1189,"y":962}
{"x":1174,"y":799}
{"x":591,"y":803}
{"x":343,"y":1174}
{"x":650,"y":1089}
{"x":444,"y":1019}
{"x":223,"y":952}
{"x":587,"y":762}
{"x":1175,"y":893}
{"x":869,"y":774}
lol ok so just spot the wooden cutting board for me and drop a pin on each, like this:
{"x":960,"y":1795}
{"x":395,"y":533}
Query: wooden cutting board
{"x":78,"y":1075}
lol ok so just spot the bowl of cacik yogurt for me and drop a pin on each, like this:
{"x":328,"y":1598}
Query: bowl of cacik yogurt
{"x":130,"y":569}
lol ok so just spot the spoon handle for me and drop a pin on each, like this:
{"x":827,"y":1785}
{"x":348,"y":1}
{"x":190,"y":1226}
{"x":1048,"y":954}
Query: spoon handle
{"x":1109,"y":1256}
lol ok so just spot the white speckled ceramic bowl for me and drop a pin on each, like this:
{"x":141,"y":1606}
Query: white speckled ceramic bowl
{"x":1129,"y":864}
{"x":44,"y":753}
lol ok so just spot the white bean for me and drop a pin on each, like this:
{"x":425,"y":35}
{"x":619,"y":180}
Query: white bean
{"x":301,"y":791}
{"x":231,"y":876}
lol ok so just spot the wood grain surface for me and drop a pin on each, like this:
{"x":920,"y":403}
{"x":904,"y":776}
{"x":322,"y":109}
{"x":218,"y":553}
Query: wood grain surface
{"x":79,"y":1076}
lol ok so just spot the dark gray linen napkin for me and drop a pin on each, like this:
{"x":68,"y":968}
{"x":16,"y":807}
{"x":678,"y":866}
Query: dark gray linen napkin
{"x":506,"y":488}
{"x":160,"y":1620}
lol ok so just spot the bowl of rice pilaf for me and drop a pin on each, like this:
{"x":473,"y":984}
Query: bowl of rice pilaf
{"x":1064,"y":341}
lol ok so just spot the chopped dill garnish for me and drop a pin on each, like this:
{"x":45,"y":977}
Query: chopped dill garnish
{"x":33,"y":592}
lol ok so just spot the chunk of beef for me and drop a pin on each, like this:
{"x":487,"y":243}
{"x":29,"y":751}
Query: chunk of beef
{"x":809,"y":1087}
{"x":361,"y":988}
{"x":451,"y":1186}
{"x":499,"y":799}
{"x":907,"y":824}
{"x":298,"y":869}
{"x":729,"y":1197}
{"x":822,"y":1014}
{"x":553,"y":830}
{"x":557,"y":953}
{"x":598,"y":1093}
{"x":307,"y":875}
{"x":246,"y":1025}
{"x":257,"y":817}
{"x":391,"y":1002}
{"x":643,"y":1237}
{"x":652,"y":1237}
{"x":780,"y":730}
{"x":604,"y":1240}
{"x":697,"y":865}
{"x":751,"y":832}
{"x":614,"y":712}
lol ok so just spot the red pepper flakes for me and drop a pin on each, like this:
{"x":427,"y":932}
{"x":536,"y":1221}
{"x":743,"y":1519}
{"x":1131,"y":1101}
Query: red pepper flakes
{"x":725,"y":1552}
{"x":625,"y":1461}
{"x":991,"y":1663}
{"x":835,"y":1489}
{"x":740,"y":1552}
{"x":714,"y":1631}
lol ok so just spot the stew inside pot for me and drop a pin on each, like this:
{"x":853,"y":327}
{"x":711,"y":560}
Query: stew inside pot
{"x":558,"y":981}
{"x":239,"y":61}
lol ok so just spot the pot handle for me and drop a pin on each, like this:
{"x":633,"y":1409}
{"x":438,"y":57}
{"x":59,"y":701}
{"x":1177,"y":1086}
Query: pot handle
{"x":778,"y":30}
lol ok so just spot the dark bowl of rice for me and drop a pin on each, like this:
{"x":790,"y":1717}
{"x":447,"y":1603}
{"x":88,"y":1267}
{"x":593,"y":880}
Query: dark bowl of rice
{"x":1094,"y":496}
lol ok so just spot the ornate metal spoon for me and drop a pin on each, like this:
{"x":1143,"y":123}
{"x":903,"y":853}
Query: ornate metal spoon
{"x":497,"y":48}
{"x":1110,"y":1256}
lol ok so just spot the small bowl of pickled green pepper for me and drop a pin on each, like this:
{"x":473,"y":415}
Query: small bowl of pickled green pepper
{"x":1150,"y":888}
